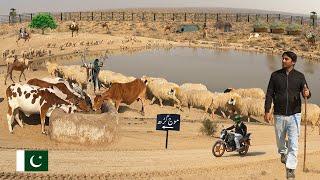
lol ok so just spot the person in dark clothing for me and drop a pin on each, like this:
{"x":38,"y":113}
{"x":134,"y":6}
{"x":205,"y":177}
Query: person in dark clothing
{"x":240,"y":130}
{"x":284,"y":89}
{"x":95,"y":74}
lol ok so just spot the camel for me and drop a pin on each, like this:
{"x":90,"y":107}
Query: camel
{"x":17,"y":66}
{"x":105,"y":25}
{"x":74,"y":27}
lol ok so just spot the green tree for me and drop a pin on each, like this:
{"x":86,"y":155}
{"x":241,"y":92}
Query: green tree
{"x":43,"y":21}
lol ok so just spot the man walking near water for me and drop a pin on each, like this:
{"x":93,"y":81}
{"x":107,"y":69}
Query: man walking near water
{"x":284,"y":90}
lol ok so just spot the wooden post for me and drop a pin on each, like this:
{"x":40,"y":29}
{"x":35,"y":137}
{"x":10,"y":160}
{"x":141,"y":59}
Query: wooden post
{"x":9,"y":19}
{"x":61,"y":17}
{"x":172,"y":16}
{"x":154,"y":16}
{"x":291,"y":19}
{"x":226,"y":17}
{"x":31,"y":16}
{"x":279,"y":17}
{"x":143,"y":16}
{"x":248,"y":17}
{"x":112,"y":16}
{"x":237,"y":19}
{"x":167,"y":139}
{"x":267,"y":17}
{"x":101,"y":16}
{"x":305,"y":134}
{"x":122,"y":16}
{"x":185,"y":17}
{"x":205,"y":17}
{"x":217,"y":16}
{"x":301,"y":20}
{"x":92,"y":16}
{"x":80,"y":16}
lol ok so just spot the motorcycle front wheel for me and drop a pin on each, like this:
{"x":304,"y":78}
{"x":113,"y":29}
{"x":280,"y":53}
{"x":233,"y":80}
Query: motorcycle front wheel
{"x":218,"y":148}
{"x":244,"y":150}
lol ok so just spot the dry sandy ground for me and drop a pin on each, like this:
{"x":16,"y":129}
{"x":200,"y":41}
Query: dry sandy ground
{"x":139,"y":152}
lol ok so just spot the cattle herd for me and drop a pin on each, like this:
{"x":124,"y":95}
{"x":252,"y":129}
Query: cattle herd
{"x":42,"y":96}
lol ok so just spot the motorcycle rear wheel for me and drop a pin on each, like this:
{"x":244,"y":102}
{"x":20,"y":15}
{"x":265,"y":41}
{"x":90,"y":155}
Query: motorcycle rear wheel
{"x":218,"y":148}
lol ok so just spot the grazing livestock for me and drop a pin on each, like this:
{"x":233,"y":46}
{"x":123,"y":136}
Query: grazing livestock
{"x":249,"y":106}
{"x":72,"y":96}
{"x":123,"y":92}
{"x":33,"y":100}
{"x":74,"y":27}
{"x":192,"y":86}
{"x":17,"y":65}
{"x":257,"y":93}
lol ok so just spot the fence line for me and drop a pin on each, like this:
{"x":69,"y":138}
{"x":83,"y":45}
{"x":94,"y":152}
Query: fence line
{"x":160,"y":17}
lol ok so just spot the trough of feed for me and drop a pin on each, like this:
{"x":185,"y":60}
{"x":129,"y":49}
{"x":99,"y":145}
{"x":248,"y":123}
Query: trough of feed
{"x":80,"y":128}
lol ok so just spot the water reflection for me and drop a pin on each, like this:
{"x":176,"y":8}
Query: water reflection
{"x":217,"y":69}
{"x":272,"y":62}
{"x":309,"y":67}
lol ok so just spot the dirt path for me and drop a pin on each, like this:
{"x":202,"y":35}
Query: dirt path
{"x":168,"y":163}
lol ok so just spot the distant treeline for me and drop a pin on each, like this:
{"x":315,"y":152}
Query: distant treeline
{"x":161,"y":17}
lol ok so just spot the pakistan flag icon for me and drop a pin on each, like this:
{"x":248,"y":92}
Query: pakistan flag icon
{"x":29,"y":160}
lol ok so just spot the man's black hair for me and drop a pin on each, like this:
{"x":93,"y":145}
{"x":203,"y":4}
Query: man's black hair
{"x":291,"y":55}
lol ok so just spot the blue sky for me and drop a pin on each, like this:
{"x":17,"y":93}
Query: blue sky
{"x":293,"y":6}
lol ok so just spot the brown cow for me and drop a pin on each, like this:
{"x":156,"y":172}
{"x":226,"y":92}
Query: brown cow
{"x":123,"y":92}
{"x":72,"y":97}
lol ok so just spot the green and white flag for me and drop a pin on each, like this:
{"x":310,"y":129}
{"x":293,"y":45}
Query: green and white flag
{"x":28,"y":160}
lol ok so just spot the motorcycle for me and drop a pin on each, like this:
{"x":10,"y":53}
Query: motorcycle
{"x":227,"y":143}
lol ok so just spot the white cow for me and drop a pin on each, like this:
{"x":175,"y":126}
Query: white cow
{"x":34,"y":100}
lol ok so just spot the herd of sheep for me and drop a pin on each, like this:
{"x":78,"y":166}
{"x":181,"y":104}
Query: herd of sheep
{"x":247,"y":102}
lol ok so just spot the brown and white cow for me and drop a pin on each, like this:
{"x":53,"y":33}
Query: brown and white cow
{"x":71,"y":96}
{"x":123,"y":92}
{"x":33,"y":100}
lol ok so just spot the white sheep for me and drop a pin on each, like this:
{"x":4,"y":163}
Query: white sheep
{"x":52,"y":68}
{"x":149,"y":79}
{"x":192,"y":86}
{"x":163,"y":91}
{"x":109,"y":77}
{"x":73,"y":73}
{"x":250,"y":106}
{"x":248,"y":92}
{"x":199,"y":99}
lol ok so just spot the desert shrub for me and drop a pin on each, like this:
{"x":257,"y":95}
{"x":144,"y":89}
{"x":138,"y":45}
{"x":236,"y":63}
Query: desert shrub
{"x":208,"y":127}
{"x":260,"y":24}
{"x":277,"y":25}
{"x":294,"y":27}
